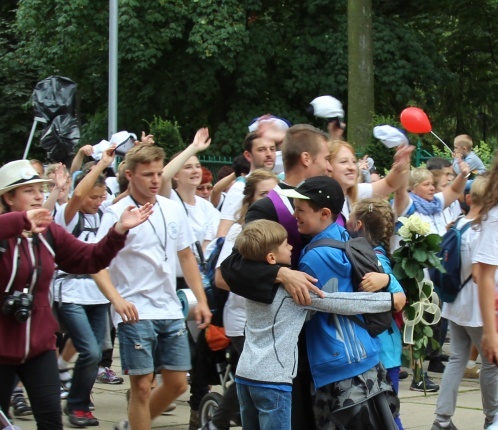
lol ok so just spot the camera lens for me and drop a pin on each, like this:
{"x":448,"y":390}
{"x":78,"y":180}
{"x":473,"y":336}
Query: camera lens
{"x":22,"y":315}
{"x":8,"y":305}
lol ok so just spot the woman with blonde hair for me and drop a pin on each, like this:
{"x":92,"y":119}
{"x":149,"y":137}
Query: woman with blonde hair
{"x":422,"y":199}
{"x":345,"y":171}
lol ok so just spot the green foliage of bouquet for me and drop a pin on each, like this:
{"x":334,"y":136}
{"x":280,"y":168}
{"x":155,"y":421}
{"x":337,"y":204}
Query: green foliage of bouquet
{"x":417,"y":251}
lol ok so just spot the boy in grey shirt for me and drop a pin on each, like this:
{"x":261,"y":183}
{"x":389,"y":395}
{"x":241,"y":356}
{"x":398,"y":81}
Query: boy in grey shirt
{"x":268,"y":362}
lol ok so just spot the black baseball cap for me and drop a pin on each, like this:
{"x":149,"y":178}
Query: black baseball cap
{"x":321,"y":190}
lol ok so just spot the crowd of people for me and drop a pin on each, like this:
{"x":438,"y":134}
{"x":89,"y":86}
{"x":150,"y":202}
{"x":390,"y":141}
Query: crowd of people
{"x":100,"y":250}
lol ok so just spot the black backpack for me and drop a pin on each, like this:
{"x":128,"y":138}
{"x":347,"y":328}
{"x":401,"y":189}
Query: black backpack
{"x":448,"y":284}
{"x":363,"y":260}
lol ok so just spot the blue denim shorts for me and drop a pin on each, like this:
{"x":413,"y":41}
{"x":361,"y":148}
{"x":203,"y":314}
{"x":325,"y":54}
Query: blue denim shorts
{"x":152,"y":345}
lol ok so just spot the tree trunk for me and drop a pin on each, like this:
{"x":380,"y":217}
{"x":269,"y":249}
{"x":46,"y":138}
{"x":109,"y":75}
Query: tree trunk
{"x":360,"y":74}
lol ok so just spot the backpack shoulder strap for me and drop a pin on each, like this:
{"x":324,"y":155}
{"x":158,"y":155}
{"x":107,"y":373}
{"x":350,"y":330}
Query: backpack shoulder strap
{"x":326,"y":242}
{"x":80,"y":225}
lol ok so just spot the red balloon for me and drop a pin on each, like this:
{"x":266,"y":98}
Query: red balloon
{"x":415,"y":120}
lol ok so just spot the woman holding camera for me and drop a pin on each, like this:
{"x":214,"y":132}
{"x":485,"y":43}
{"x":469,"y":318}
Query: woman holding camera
{"x":31,"y":246}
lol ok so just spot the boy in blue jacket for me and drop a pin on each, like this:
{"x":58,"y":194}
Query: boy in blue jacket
{"x":351,"y":389}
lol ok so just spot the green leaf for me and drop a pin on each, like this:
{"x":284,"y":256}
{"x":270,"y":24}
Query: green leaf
{"x":420,"y":254}
{"x":410,"y":266}
{"x":428,"y":331}
{"x":433,"y":242}
{"x":398,"y":272}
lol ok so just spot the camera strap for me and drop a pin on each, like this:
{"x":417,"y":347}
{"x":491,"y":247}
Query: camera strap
{"x":15,"y":265}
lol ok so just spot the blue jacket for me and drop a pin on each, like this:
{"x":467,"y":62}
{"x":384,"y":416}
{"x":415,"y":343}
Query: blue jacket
{"x":391,"y":345}
{"x":339,"y":349}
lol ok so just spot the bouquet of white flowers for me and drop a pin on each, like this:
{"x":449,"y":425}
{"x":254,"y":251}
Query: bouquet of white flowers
{"x":417,"y":251}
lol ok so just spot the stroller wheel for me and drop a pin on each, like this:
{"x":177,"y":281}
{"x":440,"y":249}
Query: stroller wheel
{"x":208,"y":405}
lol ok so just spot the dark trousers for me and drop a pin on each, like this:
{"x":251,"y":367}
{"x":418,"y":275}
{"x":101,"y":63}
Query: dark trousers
{"x":40,"y":377}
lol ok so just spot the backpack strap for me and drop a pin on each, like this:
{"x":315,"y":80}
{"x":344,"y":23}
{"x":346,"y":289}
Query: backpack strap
{"x":80,"y":226}
{"x":462,"y":230}
{"x":326,"y":242}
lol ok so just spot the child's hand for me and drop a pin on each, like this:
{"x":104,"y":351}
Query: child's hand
{"x":399,"y":301}
{"x":374,"y":281}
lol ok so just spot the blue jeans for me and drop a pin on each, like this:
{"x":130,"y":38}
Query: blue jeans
{"x":86,"y":326}
{"x":264,"y":408}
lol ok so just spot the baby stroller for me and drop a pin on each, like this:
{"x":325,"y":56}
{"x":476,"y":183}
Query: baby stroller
{"x":225,"y":370}
{"x":213,"y":360}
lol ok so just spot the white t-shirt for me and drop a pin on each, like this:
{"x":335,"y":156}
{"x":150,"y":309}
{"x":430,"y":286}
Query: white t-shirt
{"x":365,"y":191}
{"x":70,"y":289}
{"x":452,"y":212}
{"x":487,"y":246}
{"x":233,"y":200}
{"x":144,"y":271}
{"x":200,"y":218}
{"x":234,"y":313}
{"x":465,"y":310}
{"x":279,"y":163}
{"x":486,"y":250}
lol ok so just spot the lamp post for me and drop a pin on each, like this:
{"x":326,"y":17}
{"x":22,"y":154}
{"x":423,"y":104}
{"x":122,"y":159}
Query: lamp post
{"x":112,"y":124}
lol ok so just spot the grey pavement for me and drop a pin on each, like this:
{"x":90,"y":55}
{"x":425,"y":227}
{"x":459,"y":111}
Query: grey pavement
{"x":417,"y":409}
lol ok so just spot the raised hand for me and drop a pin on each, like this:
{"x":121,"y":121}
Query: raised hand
{"x":108,"y":155}
{"x":133,"y":216}
{"x":61,"y":176}
{"x":87,"y":150}
{"x":39,"y":219}
{"x":147,"y":140}
{"x":201,"y":140}
{"x":269,"y":130}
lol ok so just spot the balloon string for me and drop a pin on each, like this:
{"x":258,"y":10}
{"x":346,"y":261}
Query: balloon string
{"x":447,"y":147}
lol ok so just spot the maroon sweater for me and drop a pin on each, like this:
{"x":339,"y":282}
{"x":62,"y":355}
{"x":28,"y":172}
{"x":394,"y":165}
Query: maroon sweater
{"x":21,"y":341}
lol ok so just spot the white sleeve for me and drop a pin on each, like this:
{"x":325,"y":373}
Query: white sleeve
{"x":226,"y":250}
{"x":487,"y":245}
{"x":233,"y":201}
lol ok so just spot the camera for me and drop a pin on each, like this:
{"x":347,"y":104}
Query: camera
{"x":18,"y":305}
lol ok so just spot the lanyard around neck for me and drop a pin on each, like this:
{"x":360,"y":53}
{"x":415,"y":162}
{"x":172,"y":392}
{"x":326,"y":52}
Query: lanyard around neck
{"x":163,"y":246}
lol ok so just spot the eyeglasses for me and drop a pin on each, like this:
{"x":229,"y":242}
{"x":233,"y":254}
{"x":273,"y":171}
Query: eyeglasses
{"x":204,"y":187}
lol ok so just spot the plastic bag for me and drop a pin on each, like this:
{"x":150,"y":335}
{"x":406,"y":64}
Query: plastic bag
{"x":54,"y":96}
{"x":60,"y":138}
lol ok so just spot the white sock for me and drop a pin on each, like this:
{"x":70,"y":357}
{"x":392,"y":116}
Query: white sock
{"x":444,"y":424}
{"x":63,"y":364}
{"x":101,"y":370}
{"x":470,"y":364}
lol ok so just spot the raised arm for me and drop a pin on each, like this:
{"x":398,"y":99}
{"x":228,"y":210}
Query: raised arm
{"x":200,"y":143}
{"x":60,"y":181}
{"x":458,"y":186}
{"x":398,"y":174}
{"x":79,"y":157}
{"x":86,"y":184}
{"x":219,"y":187}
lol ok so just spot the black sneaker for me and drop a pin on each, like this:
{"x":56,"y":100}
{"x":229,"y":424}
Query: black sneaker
{"x":20,"y":405}
{"x":81,"y":418}
{"x":437,"y":426}
{"x":403,"y":374}
{"x":430,"y":385}
{"x":436,"y":365}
